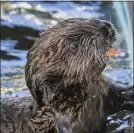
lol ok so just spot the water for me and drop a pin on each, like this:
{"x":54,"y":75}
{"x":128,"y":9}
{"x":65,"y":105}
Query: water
{"x":21,"y":23}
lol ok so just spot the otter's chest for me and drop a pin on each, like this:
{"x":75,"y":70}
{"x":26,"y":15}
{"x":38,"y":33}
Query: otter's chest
{"x":69,"y":99}
{"x":86,"y":107}
{"x":75,"y":99}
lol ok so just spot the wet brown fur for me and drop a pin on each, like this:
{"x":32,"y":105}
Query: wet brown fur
{"x":63,"y":71}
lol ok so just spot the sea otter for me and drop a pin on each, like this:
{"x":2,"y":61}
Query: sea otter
{"x":64,"y":74}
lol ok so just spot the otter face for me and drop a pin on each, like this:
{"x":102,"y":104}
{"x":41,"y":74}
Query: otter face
{"x":73,"y":48}
{"x":98,"y":33}
{"x":86,"y":43}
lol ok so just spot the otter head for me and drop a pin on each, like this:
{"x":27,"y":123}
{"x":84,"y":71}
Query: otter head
{"x":74,"y":48}
{"x":81,"y":46}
